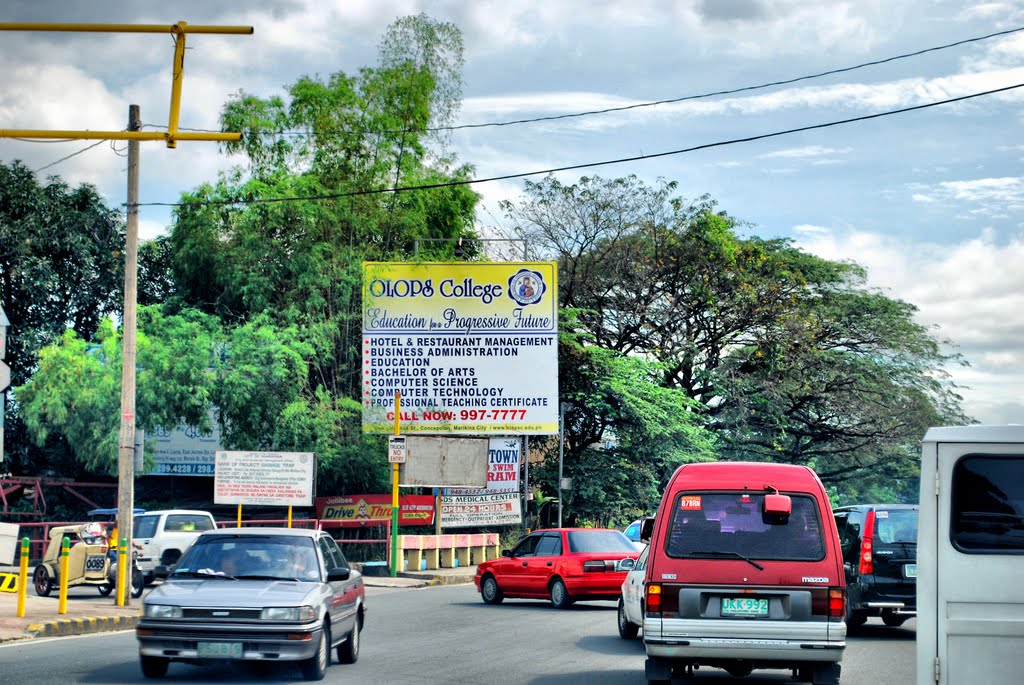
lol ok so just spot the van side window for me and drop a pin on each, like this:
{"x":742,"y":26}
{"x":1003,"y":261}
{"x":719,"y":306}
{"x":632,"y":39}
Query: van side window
{"x":987,"y":505}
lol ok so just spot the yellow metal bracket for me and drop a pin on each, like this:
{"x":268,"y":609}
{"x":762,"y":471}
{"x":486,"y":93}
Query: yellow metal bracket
{"x":172,"y":136}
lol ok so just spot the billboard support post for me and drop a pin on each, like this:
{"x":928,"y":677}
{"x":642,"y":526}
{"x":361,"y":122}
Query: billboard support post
{"x":394,"y":492}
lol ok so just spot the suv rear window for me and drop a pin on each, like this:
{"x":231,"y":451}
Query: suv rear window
{"x":896,"y":525}
{"x":732,"y":522}
{"x":987,"y":515}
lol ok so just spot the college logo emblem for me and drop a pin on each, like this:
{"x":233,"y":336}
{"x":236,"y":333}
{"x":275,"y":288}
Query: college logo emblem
{"x":526,"y":287}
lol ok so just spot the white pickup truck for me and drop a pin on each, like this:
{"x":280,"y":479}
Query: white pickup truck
{"x":163,"y":536}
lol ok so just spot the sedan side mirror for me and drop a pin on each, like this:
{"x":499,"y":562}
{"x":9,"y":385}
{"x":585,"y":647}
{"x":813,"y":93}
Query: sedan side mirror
{"x":625,"y":565}
{"x":506,"y":553}
{"x":339,"y":573}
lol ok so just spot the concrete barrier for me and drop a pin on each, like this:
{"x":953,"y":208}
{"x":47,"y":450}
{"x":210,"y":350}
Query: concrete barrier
{"x":429,"y":552}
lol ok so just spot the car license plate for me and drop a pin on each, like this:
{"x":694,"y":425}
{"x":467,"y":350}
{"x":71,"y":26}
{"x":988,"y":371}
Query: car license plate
{"x":220,"y":650}
{"x":744,"y":606}
{"x":95,"y":562}
{"x":910,"y":570}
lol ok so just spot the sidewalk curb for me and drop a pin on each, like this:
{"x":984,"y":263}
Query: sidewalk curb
{"x":81,"y":626}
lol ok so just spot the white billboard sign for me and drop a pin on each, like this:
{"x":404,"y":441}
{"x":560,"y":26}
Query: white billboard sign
{"x":463,"y":507}
{"x":268,"y":478}
{"x":496,"y":508}
{"x":471,"y":347}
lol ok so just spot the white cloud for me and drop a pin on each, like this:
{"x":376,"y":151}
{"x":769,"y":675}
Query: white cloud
{"x":972,"y":291}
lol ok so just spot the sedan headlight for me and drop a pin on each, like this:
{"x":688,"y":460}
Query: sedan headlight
{"x":162,"y":611}
{"x":303,"y":613}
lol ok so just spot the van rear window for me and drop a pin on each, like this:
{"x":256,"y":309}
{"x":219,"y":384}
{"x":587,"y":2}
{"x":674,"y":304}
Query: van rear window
{"x":987,"y":512}
{"x":710,"y":524}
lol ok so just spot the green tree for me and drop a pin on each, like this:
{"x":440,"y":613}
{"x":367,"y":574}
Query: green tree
{"x":625,"y":434}
{"x":75,"y":393}
{"x":790,"y":357}
{"x":61,"y":268}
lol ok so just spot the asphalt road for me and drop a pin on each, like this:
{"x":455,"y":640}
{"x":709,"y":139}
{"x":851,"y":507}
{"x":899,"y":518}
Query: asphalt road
{"x":445,"y":634}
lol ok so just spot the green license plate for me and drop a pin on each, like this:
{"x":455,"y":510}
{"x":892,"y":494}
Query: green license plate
{"x":910,"y":570}
{"x":220,"y":650}
{"x":744,"y":606}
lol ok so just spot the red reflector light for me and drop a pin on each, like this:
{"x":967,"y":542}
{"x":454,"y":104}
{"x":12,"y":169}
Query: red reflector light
{"x":653,"y":597}
{"x":143,"y":631}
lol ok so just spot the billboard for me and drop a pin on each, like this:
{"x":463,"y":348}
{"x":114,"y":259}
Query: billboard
{"x":498,"y":503}
{"x":271,"y":478}
{"x":183,"y":451}
{"x":354,"y":511}
{"x":471,"y":347}
{"x":437,"y":461}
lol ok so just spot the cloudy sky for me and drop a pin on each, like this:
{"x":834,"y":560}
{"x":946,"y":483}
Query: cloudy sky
{"x":931,"y":201}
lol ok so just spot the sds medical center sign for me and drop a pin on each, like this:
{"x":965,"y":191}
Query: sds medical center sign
{"x":471,"y":347}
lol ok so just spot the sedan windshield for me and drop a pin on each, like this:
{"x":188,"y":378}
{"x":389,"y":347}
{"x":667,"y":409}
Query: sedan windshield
{"x":251,"y":557}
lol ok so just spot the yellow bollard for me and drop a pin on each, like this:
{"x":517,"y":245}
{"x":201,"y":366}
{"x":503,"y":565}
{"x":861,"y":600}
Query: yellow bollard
{"x":22,"y":577}
{"x":62,"y":604}
{"x":122,"y":552}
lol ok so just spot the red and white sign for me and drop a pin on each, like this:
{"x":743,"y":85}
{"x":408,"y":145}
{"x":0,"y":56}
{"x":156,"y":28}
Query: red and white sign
{"x":363,"y":510}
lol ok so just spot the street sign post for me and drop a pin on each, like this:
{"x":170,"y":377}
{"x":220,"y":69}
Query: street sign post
{"x":396,"y":449}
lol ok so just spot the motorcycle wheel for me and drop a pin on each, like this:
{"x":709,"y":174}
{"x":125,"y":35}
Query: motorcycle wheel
{"x":138,"y":583}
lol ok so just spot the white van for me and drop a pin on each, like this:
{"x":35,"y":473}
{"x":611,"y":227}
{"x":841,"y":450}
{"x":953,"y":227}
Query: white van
{"x":970,"y":556}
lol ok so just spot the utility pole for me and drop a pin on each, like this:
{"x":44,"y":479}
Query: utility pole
{"x":126,"y":441}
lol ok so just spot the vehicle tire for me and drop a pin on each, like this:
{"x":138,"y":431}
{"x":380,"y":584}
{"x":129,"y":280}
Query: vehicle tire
{"x":42,"y":580}
{"x":105,"y":589}
{"x":138,"y":583}
{"x":490,"y":592}
{"x":855,"y":619}
{"x":560,"y":598}
{"x":348,"y":651}
{"x":627,"y":630}
{"x":894,"y":620}
{"x":153,"y":666}
{"x":315,"y":668}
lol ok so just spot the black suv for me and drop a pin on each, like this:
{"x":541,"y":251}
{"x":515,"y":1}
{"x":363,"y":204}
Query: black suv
{"x":880,"y":557}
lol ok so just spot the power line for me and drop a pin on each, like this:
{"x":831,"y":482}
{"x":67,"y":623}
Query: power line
{"x":685,"y":98}
{"x":73,"y":154}
{"x":587,"y":165}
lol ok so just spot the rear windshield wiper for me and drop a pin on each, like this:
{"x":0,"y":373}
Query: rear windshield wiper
{"x":753,"y":563}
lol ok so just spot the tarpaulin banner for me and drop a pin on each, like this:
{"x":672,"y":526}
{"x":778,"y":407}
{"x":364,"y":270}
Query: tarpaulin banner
{"x":359,"y":510}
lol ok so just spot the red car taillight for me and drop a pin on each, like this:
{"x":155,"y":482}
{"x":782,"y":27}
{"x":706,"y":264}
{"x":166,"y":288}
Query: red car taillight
{"x":866,"y":565}
{"x":836,"y":603}
{"x":653,"y":602}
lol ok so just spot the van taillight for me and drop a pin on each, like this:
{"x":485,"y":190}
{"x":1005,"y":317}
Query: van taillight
{"x":836,"y":603}
{"x":866,"y":566}
{"x":653,"y":598}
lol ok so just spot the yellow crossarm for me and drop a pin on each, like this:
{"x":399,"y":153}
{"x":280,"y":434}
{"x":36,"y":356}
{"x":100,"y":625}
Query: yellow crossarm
{"x":172,"y":136}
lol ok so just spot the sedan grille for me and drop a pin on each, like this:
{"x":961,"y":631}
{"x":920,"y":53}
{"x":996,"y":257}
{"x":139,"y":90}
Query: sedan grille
{"x":222,"y":613}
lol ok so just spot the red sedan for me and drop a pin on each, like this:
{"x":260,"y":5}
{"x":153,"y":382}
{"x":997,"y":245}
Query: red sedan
{"x":563,"y":565}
